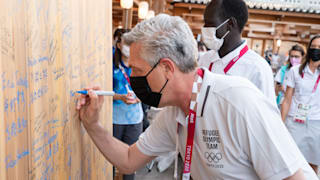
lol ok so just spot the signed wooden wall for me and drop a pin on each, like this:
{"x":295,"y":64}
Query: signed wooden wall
{"x":48,"y":50}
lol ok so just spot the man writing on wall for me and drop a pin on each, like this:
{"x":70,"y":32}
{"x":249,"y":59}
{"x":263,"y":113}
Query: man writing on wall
{"x":232,"y":129}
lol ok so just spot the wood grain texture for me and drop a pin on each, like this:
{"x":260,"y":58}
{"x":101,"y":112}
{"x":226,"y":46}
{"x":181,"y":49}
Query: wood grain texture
{"x":50,"y":49}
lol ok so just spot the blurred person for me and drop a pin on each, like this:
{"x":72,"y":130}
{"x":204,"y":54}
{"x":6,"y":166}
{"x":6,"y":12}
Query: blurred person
{"x":268,"y":56}
{"x":275,"y":62}
{"x":296,"y":54}
{"x":127,"y":110}
{"x":301,"y":106}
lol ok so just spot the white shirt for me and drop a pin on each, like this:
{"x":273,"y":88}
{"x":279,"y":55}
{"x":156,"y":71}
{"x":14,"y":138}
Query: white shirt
{"x":250,"y":66}
{"x":239,"y":136}
{"x":303,"y":88}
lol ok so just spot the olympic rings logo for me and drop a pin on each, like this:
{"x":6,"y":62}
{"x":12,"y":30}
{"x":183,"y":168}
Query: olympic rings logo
{"x":213,"y":157}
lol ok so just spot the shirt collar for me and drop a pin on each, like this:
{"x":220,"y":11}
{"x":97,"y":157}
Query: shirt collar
{"x":308,"y":70}
{"x":203,"y":91}
{"x":181,"y":119}
{"x":227,"y":58}
{"x":200,"y":100}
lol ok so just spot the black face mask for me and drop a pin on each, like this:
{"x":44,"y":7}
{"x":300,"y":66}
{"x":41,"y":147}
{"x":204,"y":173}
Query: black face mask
{"x":314,"y":54}
{"x":141,"y":88}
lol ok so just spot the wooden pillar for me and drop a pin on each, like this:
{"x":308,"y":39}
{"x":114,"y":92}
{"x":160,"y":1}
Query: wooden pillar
{"x":251,"y":45}
{"x":263,"y":47}
{"x":274,"y":48}
{"x":127,"y":18}
{"x":48,"y":51}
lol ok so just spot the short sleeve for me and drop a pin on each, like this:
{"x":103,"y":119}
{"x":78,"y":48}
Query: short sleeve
{"x":290,"y":78}
{"x":156,"y":139}
{"x":268,"y":144}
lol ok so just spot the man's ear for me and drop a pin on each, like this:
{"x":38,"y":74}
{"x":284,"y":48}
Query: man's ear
{"x":232,"y":23}
{"x":168,"y":67}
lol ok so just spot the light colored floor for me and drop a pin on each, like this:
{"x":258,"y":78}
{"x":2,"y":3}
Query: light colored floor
{"x":143,"y":174}
{"x":154,"y":174}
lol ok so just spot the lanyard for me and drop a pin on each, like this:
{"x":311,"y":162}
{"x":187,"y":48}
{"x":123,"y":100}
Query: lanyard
{"x":191,"y":128}
{"x":313,"y":91}
{"x":124,"y":73}
{"x":315,"y":85}
{"x":233,"y":61}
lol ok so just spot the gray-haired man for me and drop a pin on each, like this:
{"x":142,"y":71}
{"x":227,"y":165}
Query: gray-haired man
{"x":224,"y":125}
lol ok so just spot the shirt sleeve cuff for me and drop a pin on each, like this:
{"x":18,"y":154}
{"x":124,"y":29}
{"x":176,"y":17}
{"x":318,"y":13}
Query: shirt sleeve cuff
{"x":144,"y":150}
{"x":290,"y":84}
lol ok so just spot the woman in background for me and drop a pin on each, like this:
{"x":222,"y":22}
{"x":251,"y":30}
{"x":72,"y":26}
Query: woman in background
{"x":296,"y":54}
{"x":301,"y":106}
{"x":127,"y":110}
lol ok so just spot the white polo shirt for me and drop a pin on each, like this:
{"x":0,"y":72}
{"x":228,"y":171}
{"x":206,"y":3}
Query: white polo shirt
{"x":239,"y":134}
{"x":303,"y":88}
{"x":250,"y":66}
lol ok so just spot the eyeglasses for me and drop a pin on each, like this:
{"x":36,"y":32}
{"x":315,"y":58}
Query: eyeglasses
{"x":294,"y":56}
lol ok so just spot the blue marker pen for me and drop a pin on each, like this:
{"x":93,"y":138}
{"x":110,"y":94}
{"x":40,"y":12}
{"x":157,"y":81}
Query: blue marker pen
{"x":99,"y":93}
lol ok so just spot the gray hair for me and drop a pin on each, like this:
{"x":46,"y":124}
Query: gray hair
{"x":165,"y":36}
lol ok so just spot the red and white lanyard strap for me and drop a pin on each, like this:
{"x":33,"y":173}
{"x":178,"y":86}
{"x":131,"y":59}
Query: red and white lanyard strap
{"x":124,"y":73}
{"x":315,"y":85}
{"x":191,"y":124}
{"x":243,"y":51}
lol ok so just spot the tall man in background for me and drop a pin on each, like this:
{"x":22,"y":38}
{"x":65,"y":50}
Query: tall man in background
{"x":229,"y":54}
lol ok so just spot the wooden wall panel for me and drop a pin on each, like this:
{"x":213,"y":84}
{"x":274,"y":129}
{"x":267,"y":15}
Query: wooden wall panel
{"x":50,"y":49}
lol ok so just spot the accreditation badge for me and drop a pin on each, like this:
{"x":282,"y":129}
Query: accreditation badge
{"x":301,"y":115}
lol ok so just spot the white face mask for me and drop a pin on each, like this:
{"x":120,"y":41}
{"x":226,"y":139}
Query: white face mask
{"x":125,"y":50}
{"x":209,"y":37}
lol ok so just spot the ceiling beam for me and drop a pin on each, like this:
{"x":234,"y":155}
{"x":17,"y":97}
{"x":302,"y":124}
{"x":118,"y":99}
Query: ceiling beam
{"x":118,"y":8}
{"x":253,"y":11}
{"x":190,"y":6}
{"x":282,"y":22}
{"x":284,"y":13}
{"x":200,"y":18}
{"x":283,"y":38}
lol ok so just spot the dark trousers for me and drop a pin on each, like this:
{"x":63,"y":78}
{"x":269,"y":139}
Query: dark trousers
{"x":128,"y":134}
